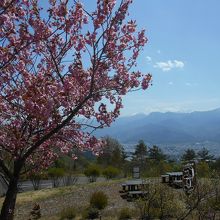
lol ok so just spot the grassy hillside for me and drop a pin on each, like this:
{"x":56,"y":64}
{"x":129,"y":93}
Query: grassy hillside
{"x":53,"y":201}
{"x":161,"y":201}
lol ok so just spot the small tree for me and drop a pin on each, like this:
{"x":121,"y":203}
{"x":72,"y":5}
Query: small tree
{"x":92,"y":172}
{"x":110,"y":172}
{"x":194,"y":200}
{"x":68,"y":165}
{"x":204,"y":155}
{"x":188,"y":155}
{"x":113,"y":153}
{"x":155,"y":153}
{"x":69,"y":179}
{"x":159,"y":202}
{"x":35,"y":179}
{"x":56,"y":174}
{"x":140,"y":154}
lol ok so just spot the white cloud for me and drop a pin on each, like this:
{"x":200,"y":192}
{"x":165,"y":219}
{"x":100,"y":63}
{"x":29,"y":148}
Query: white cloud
{"x":179,"y":64}
{"x":149,"y":59}
{"x":169,"y":65}
{"x":170,"y":83}
{"x":141,"y":104}
{"x":191,"y":84}
{"x":182,"y":106}
{"x":163,"y":108}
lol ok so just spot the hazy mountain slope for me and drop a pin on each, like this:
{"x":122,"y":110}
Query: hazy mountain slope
{"x":166,"y":127}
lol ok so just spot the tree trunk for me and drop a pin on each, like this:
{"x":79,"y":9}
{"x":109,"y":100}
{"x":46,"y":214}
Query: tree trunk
{"x":7,"y":212}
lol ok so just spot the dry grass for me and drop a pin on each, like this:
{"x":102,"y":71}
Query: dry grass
{"x":52,"y":201}
{"x":35,"y":196}
{"x":40,"y":194}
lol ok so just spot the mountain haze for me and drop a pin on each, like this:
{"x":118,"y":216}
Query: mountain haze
{"x":166,"y":128}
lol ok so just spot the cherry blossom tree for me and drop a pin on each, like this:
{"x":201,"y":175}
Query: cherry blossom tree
{"x":61,"y":67}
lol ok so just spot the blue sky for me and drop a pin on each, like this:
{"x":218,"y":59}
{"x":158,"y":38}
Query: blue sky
{"x":183,"y":55}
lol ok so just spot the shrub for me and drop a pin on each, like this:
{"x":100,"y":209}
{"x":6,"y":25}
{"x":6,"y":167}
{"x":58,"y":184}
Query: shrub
{"x":68,"y":213}
{"x":161,"y":202}
{"x":92,"y":172}
{"x":124,"y":214}
{"x":35,"y":179}
{"x":203,"y":169}
{"x":99,"y":200}
{"x":91,"y":213}
{"x":69,"y":179}
{"x":110,"y":172}
{"x":55,"y":174}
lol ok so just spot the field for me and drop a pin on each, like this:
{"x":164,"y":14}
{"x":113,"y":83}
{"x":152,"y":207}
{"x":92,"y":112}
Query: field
{"x":53,"y":201}
{"x":162,"y":200}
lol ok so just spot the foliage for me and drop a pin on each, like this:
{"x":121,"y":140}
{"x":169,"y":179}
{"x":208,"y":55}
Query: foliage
{"x":110,"y":172}
{"x":81,"y":163}
{"x":99,"y":200}
{"x":162,"y":202}
{"x":159,"y":202}
{"x":35,"y":179}
{"x":151,"y":160}
{"x":68,"y":213}
{"x":69,"y":179}
{"x":113,"y":153}
{"x":188,"y":155}
{"x":157,"y":168}
{"x":155,"y":153}
{"x":203,"y":169}
{"x":216,"y":165}
{"x":195,"y":200}
{"x":204,"y":155}
{"x":65,"y":162}
{"x":139,"y":156}
{"x":140,"y":152}
{"x":41,"y":99}
{"x":92,"y":172}
{"x":68,"y":165}
{"x":55,"y":174}
{"x":91,"y":213}
{"x":125,"y":214}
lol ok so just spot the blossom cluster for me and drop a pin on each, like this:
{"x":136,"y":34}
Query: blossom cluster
{"x":61,"y":67}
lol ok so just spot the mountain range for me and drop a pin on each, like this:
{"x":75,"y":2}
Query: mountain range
{"x":166,"y":128}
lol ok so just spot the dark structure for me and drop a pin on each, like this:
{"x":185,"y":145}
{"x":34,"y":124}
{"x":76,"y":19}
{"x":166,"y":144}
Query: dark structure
{"x":189,"y":177}
{"x":134,"y":188}
{"x":174,"y":179}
